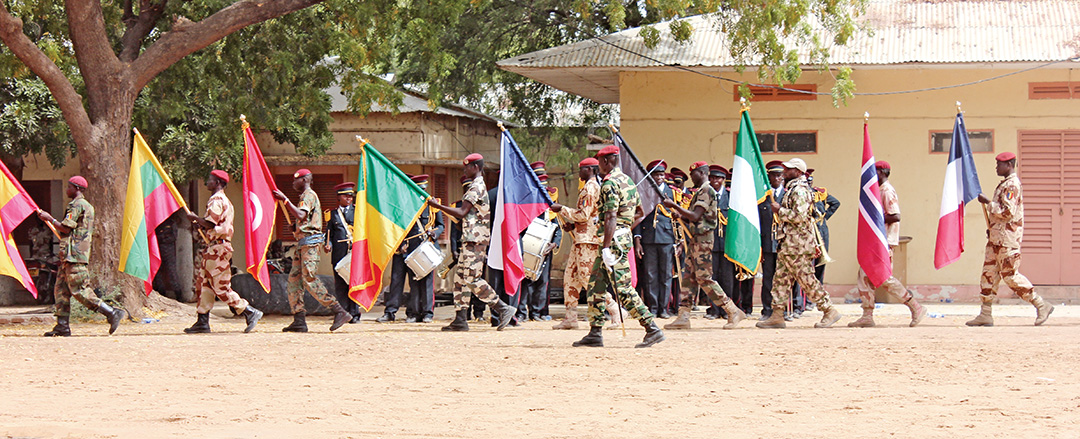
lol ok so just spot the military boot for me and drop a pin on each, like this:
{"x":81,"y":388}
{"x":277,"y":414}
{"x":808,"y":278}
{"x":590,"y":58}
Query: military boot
{"x":62,"y":328}
{"x":299,"y":323}
{"x":734,"y":315}
{"x":831,"y":316}
{"x":506,"y":313}
{"x":1042,"y":309}
{"x":252,"y":316}
{"x":569,"y":321}
{"x":682,"y":321}
{"x":113,"y":315}
{"x":918,"y":312}
{"x":865,"y":321}
{"x":201,"y":326}
{"x":594,"y":339}
{"x":653,"y":335}
{"x":341,"y":317}
{"x":984,"y":318}
{"x":460,"y":323}
{"x":775,"y":320}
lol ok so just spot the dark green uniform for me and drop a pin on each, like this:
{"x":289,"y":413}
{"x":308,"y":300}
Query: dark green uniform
{"x":74,"y":256}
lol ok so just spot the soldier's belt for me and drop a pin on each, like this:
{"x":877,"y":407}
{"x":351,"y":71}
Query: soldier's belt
{"x":312,"y":239}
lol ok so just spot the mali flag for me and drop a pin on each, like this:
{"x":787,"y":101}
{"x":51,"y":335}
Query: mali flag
{"x":15,"y":206}
{"x":388,"y":203}
{"x":151,"y":199}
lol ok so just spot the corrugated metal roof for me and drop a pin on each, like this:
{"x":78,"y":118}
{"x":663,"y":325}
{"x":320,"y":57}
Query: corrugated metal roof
{"x":904,"y":32}
{"x":413,"y":102}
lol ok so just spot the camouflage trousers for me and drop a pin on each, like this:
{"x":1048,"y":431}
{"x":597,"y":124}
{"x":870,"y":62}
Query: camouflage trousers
{"x":215,"y":280}
{"x":576,"y":276}
{"x":470,"y":278}
{"x":618,"y":277}
{"x":302,"y":278}
{"x":892,"y":285}
{"x":698,"y":274}
{"x":795,"y":267}
{"x":1003,"y":264}
{"x":71,"y":282}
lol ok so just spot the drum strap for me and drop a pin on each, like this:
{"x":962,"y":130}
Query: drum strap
{"x":348,"y":230}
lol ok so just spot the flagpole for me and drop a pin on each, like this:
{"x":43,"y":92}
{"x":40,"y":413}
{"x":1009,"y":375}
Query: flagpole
{"x":186,"y":210}
{"x":986,"y":215}
{"x":285,"y":212}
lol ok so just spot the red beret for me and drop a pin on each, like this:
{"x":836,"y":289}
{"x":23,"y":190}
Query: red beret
{"x":656,"y":166}
{"x":346,"y":187}
{"x":775,"y":165}
{"x":542,"y":177}
{"x":678,"y":173}
{"x":301,"y":173}
{"x":809,"y":171}
{"x":553,"y":189}
{"x":221,"y":175}
{"x":718,"y":170}
{"x":78,"y":181}
{"x":696,"y":165}
{"x":472,"y":158}
{"x":589,"y":162}
{"x":608,"y":150}
{"x":422,"y":178}
{"x":882,"y":164}
{"x":1006,"y":156}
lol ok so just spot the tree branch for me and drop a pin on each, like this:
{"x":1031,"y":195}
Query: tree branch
{"x":69,"y":100}
{"x":186,"y":36}
{"x":139,"y":28}
{"x":97,"y":62}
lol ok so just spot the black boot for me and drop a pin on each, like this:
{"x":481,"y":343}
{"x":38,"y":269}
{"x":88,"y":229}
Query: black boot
{"x":341,"y":317}
{"x":653,"y":335}
{"x":594,"y":339}
{"x":201,"y":326}
{"x":62,"y":329}
{"x":386,"y":317}
{"x":114,"y":316}
{"x":299,"y":323}
{"x":252,"y":316}
{"x":505,"y":312}
{"x":460,"y":323}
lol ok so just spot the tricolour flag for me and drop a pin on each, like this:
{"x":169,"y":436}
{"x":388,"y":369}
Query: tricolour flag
{"x":15,"y":206}
{"x":749,"y":187}
{"x":521,"y":198}
{"x":873,"y":243}
{"x":961,"y":186}
{"x":260,"y":209}
{"x":151,"y":199}
{"x":647,"y":189}
{"x":388,"y":204}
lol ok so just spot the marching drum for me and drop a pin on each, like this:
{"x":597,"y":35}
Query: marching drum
{"x":424,"y":259}
{"x":536,"y":239}
{"x":344,"y":267}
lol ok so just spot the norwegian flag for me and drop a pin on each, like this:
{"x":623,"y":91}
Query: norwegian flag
{"x":873,"y":245}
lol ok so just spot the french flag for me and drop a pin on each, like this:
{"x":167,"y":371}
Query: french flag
{"x":961,"y":186}
{"x":873,"y":244}
{"x":521,"y":198}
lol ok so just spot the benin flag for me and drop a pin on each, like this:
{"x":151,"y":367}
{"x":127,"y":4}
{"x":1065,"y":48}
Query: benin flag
{"x":749,"y":187}
{"x":387,"y":205}
{"x":151,"y":199}
{"x":15,"y":206}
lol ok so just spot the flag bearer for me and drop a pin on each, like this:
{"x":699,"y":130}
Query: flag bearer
{"x":76,"y":232}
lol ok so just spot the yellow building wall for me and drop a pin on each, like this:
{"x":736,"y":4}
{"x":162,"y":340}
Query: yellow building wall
{"x":684,"y":117}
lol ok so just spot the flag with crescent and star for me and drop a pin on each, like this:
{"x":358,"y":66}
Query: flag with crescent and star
{"x":259,"y":209}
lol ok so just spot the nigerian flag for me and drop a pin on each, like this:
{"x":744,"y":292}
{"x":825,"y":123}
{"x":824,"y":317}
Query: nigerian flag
{"x":749,"y":187}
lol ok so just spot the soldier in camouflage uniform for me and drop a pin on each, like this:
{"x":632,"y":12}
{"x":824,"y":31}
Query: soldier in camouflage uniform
{"x":76,"y":232}
{"x":582,"y":222}
{"x":307,"y":229}
{"x":697,"y":273}
{"x":795,"y":258}
{"x":619,"y":204}
{"x":1002,"y":262}
{"x":475,"y":216}
{"x":214,"y":278}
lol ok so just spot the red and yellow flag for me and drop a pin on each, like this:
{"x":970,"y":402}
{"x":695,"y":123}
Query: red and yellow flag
{"x":259,"y":209}
{"x":15,"y":206}
{"x":388,"y":203}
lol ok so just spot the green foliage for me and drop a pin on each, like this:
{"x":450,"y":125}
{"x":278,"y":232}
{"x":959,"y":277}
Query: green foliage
{"x":31,"y":123}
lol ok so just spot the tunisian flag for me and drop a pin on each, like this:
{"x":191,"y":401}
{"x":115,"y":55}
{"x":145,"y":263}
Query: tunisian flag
{"x":259,"y":209}
{"x":873,"y":244}
{"x":961,"y":186}
{"x":521,"y":198}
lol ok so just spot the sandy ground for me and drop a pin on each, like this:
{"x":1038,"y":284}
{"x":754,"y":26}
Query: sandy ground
{"x":410,"y":380}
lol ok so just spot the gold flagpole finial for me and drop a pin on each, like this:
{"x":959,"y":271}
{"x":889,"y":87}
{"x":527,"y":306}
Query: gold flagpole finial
{"x":501,"y":127}
{"x":361,"y":140}
{"x":136,"y":130}
{"x":244,"y":123}
{"x":866,"y":117}
{"x":612,"y":127}
{"x":958,"y":107}
{"x":745,"y":105}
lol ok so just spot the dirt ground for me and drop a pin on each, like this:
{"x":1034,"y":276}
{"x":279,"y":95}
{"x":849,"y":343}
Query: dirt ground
{"x":940,"y":380}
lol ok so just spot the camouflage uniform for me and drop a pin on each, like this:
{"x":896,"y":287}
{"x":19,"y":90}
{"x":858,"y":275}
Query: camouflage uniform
{"x":214,"y":278}
{"x":618,"y":194}
{"x":1002,"y":261}
{"x":698,"y":270}
{"x":74,"y":255}
{"x":583,"y":253}
{"x":475,"y":235}
{"x":306,"y":263}
{"x":795,"y":258}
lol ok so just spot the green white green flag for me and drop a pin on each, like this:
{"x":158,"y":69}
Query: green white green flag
{"x":749,"y":187}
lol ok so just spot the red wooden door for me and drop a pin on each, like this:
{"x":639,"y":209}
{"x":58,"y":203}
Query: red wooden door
{"x":1051,"y":225}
